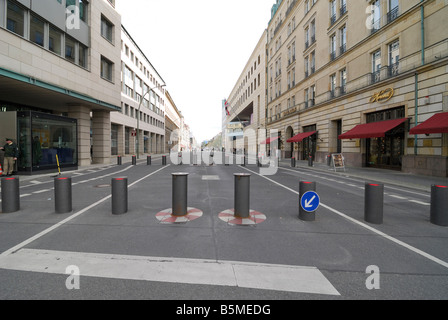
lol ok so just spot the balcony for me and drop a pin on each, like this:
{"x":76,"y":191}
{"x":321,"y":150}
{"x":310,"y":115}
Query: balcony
{"x":343,"y":9}
{"x":332,"y":19}
{"x":342,"y":49}
{"x":392,"y":14}
{"x":333,"y":56}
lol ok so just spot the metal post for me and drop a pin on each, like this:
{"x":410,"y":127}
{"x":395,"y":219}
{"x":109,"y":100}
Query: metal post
{"x":242,"y":195}
{"x":10,"y":195}
{"x":310,"y":160}
{"x":244,"y":161}
{"x":119,"y":195}
{"x":374,"y":203}
{"x":180,"y":194}
{"x":293,"y":162}
{"x":119,"y":160}
{"x":304,"y":187}
{"x":163,"y":160}
{"x":63,"y":195}
{"x":148,"y":160}
{"x":439,"y":205}
{"x":134,"y":160}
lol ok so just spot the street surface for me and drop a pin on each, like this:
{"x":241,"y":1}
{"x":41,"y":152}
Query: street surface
{"x":92,"y":254}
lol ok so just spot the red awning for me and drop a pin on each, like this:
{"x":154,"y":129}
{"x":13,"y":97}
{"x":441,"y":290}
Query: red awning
{"x":372,"y":130}
{"x":301,"y":136}
{"x":269,"y":140}
{"x":436,"y":124}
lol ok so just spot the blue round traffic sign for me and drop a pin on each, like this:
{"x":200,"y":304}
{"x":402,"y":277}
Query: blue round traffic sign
{"x":310,"y":201}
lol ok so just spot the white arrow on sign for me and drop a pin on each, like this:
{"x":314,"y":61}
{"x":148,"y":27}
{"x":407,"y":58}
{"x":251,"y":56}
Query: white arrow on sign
{"x":308,"y":203}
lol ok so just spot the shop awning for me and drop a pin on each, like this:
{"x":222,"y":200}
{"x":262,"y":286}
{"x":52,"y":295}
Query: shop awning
{"x":436,"y":124}
{"x":301,"y":136}
{"x":269,"y":140}
{"x":372,"y":130}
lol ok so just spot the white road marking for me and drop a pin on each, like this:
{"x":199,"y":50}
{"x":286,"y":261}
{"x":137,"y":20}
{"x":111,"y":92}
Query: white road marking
{"x":73,"y":216}
{"x":420,"y":202}
{"x":174,"y":270}
{"x":398,"y":197}
{"x":382,"y":234}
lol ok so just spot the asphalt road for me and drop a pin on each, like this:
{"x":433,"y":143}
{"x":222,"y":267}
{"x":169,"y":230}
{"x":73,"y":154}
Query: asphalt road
{"x":135,"y":256}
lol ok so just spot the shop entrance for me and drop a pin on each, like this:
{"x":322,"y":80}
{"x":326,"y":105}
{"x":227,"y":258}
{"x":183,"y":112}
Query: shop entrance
{"x":387,"y":152}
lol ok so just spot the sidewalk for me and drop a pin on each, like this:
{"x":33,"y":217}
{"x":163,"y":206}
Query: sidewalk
{"x":384,"y":176}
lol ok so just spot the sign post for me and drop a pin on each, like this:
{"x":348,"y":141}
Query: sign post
{"x":309,"y":201}
{"x":338,"y":161}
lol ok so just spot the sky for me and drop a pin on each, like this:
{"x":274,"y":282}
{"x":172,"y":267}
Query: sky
{"x":199,"y":48}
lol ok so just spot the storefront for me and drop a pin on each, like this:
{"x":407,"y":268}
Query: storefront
{"x":384,"y":134}
{"x":43,"y":140}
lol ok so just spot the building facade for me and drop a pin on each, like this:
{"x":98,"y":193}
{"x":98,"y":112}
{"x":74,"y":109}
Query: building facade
{"x":246,"y":103}
{"x":59,"y":80}
{"x":353,"y":77}
{"x":139,"y":127}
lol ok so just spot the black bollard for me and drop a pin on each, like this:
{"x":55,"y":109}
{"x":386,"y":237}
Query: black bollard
{"x":119,"y":160}
{"x":439,"y":205}
{"x":63,"y":195}
{"x":242,"y":195}
{"x":10,"y":195}
{"x":180,"y":194}
{"x":304,"y":187}
{"x":310,"y":160}
{"x":148,"y":160}
{"x":119,"y":196}
{"x":163,"y":160}
{"x":134,"y":160}
{"x":293,"y":162}
{"x":374,"y":203}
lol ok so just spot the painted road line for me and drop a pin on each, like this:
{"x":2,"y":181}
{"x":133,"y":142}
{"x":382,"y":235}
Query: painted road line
{"x":420,"y":202}
{"x":398,"y":197}
{"x":174,"y":270}
{"x":41,"y":191}
{"x":73,"y":216}
{"x":359,"y":223}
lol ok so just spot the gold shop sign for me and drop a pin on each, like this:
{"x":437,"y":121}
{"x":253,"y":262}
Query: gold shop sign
{"x":382,"y":96}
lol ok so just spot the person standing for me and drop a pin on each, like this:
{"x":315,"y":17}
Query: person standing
{"x":11,"y":154}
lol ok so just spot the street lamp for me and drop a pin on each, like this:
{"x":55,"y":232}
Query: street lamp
{"x":138,"y":118}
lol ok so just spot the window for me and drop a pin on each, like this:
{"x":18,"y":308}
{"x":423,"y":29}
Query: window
{"x":393,"y":10}
{"x":70,"y":49}
{"x":306,"y":67}
{"x":55,"y":42}
{"x":332,"y":85}
{"x":313,"y":62}
{"x":343,"y":8}
{"x":107,"y":29}
{"x":333,"y":47}
{"x":83,"y":7}
{"x":376,"y":66}
{"x":343,"y":80}
{"x":106,"y":69}
{"x":343,"y":34}
{"x":394,"y":57}
{"x":15,"y":19}
{"x":376,"y":16}
{"x":82,"y":56}
{"x":332,"y":12}
{"x":37,"y":31}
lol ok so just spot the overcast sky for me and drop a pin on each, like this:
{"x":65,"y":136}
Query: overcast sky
{"x":199,"y":48}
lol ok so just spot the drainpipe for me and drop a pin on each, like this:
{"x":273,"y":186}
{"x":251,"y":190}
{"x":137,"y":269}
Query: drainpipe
{"x":422,"y":12}
{"x":416,"y":112}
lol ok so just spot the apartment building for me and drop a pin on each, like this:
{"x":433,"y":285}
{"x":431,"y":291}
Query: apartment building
{"x":139,"y":127}
{"x":356,"y":77}
{"x":246,"y":103}
{"x":59,"y":80}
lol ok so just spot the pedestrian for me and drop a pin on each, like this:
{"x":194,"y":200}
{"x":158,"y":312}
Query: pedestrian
{"x":11,"y":154}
